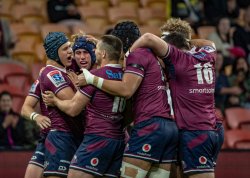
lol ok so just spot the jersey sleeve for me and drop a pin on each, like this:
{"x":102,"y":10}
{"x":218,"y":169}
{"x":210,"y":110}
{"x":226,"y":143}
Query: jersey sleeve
{"x":137,"y":63}
{"x":35,"y":90}
{"x":205,"y":53}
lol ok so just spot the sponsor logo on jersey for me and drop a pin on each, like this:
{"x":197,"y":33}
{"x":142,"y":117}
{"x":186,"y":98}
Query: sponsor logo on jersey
{"x":146,"y":147}
{"x":94,"y":161}
{"x":203,"y":160}
{"x":56,"y":78}
{"x":33,"y":86}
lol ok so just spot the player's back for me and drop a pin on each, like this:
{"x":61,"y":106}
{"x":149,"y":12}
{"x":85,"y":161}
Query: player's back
{"x":104,"y":113}
{"x":192,"y":83}
{"x":150,"y":98}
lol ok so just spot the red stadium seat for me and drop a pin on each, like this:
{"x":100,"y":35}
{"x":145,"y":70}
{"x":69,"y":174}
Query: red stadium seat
{"x":8,"y":68}
{"x":238,"y":139}
{"x":237,"y":117}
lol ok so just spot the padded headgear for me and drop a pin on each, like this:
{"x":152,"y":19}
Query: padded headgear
{"x":83,"y":43}
{"x":128,"y":32}
{"x":52,"y":42}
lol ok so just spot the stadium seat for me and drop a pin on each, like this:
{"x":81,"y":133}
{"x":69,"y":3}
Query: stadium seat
{"x":117,"y":14}
{"x":99,"y":4}
{"x":5,"y":13}
{"x":24,"y":52}
{"x":27,"y":14}
{"x":36,"y":69}
{"x":237,"y":117}
{"x":8,"y":68}
{"x":125,"y":3}
{"x":40,"y":52}
{"x":238,"y":139}
{"x":90,"y":30}
{"x":205,"y":31}
{"x":92,"y":17}
{"x":25,"y":31}
{"x":149,"y":16}
{"x":161,"y":5}
{"x":52,"y":27}
{"x":150,"y":29}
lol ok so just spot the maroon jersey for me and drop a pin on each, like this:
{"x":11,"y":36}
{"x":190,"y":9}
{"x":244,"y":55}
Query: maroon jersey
{"x":55,"y":79}
{"x":104,"y":112}
{"x":192,"y":83}
{"x":35,"y":91}
{"x":150,"y":98}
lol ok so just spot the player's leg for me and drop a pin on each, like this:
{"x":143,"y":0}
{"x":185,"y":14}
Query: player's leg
{"x":33,"y":171}
{"x":36,"y":163}
{"x":94,"y":157}
{"x":197,"y":152}
{"x":59,"y":150}
{"x":202,"y":175}
{"x":159,"y":170}
{"x":169,"y":151}
{"x":79,"y":174}
{"x":134,"y":168}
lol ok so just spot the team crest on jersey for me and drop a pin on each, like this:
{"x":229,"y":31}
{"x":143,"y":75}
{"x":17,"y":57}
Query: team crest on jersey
{"x":203,"y":160}
{"x":146,"y":147}
{"x":33,"y":86}
{"x":94,"y":161}
{"x":56,"y":78}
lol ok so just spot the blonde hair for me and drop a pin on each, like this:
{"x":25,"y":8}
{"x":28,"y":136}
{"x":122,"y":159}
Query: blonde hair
{"x":179,"y":26}
{"x":77,"y":35}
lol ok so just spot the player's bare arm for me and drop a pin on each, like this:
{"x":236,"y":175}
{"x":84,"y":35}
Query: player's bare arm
{"x":125,"y":88}
{"x":149,"y":40}
{"x":28,"y":111}
{"x":72,"y":107}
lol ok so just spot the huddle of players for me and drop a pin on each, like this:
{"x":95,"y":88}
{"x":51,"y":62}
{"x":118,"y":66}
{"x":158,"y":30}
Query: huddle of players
{"x":99,"y":150}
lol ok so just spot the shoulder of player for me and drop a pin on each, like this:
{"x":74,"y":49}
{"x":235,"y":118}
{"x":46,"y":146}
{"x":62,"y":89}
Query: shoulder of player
{"x":141,"y":52}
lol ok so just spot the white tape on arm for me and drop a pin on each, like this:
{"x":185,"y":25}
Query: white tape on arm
{"x":92,"y":79}
{"x":33,"y":116}
{"x":88,"y":76}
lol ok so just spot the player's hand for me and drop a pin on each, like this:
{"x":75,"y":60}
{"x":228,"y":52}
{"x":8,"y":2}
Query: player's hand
{"x":43,"y":122}
{"x":92,"y":39}
{"x":49,"y":98}
{"x":73,"y":77}
{"x":81,"y":80}
{"x":85,"y":78}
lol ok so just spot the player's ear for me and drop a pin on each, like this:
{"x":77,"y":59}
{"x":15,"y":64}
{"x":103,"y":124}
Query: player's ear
{"x":103,"y":54}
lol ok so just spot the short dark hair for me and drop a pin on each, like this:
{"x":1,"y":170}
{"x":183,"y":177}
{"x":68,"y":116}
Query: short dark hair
{"x":112,"y":45}
{"x":5,"y":93}
{"x":128,"y":32}
{"x":177,"y":39}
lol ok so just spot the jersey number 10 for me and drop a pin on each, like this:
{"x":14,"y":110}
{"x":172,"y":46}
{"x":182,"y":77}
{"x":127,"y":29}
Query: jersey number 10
{"x":205,"y":72}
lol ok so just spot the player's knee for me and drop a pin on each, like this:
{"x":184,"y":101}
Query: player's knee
{"x":158,"y":172}
{"x":130,"y":171}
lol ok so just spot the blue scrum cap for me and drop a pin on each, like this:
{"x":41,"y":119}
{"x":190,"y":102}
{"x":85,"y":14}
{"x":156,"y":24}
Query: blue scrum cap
{"x":52,"y":42}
